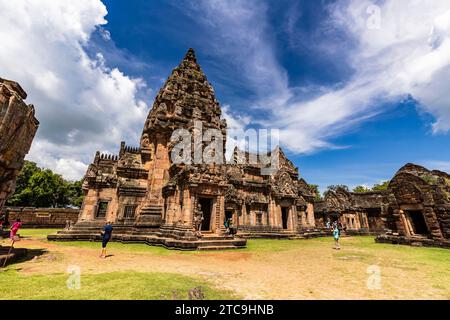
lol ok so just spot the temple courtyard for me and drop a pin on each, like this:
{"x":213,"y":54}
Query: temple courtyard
{"x":266,"y":269}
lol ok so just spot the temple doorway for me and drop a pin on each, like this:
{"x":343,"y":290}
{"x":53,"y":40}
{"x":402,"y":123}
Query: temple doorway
{"x":228,"y":215}
{"x":284,"y":217}
{"x":206,"y":206}
{"x":374,"y":219}
{"x":418,"y":222}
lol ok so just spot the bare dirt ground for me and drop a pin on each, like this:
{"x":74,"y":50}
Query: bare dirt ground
{"x":297,"y":272}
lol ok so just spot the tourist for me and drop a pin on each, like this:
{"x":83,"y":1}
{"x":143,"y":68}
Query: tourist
{"x":13,"y":232}
{"x":336,"y":235}
{"x":106,"y":236}
{"x":226,"y":224}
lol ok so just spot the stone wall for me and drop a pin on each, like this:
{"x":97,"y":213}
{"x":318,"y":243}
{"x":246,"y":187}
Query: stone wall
{"x":42,"y":217}
{"x":18,"y":127}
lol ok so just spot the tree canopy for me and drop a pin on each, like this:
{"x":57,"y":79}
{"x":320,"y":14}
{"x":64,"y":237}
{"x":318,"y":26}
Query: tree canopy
{"x":377,"y":187}
{"x":337,"y":187}
{"x":316,"y":191}
{"x":43,"y":188}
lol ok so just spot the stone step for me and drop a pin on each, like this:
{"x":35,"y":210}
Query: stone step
{"x":212,"y":248}
{"x":215,"y":243}
{"x":216,"y":238}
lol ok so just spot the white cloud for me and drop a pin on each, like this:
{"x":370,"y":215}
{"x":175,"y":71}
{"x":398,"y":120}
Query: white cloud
{"x":408,"y":55}
{"x":437,"y":165}
{"x":81,"y":103}
{"x":410,"y":52}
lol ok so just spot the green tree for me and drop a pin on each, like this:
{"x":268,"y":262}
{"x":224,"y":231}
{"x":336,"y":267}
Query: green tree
{"x":361,"y":189}
{"x":43,"y":188}
{"x":315,"y":189}
{"x":21,"y":196}
{"x":337,"y":187}
{"x":76,"y":195}
{"x":48,"y":189}
{"x":381,"y":187}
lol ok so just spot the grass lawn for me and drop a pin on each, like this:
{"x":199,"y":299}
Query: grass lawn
{"x":266,"y":269}
{"x":128,"y":285}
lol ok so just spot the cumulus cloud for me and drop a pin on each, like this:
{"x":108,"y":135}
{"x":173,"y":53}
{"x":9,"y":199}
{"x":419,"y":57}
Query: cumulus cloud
{"x":82,"y":104}
{"x":410,"y":51}
{"x":405,"y":53}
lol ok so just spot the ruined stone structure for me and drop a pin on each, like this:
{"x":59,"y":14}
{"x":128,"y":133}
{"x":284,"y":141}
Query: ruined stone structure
{"x":358,"y":213}
{"x":151,"y":199}
{"x":418,"y":208}
{"x":415,"y":209}
{"x":42,"y":217}
{"x":18,"y":127}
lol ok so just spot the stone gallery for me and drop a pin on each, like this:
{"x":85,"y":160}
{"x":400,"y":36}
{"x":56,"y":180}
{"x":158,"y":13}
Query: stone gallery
{"x":359,"y":213}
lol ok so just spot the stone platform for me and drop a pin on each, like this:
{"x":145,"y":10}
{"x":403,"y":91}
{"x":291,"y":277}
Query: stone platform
{"x":413,"y":241}
{"x":304,"y":234}
{"x":154,"y":238}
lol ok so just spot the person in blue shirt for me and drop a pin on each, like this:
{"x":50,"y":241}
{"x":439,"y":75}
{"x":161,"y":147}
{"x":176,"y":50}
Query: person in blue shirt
{"x":336,"y":235}
{"x":106,"y":236}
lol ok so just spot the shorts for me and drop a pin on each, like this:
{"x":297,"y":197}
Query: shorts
{"x":105,"y":242}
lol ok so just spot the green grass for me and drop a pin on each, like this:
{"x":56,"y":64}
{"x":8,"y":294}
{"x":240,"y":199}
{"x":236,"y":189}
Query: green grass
{"x":430,"y":265}
{"x":107,"y":286}
{"x":37,"y":233}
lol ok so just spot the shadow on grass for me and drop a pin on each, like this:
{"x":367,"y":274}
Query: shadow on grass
{"x":19,"y":255}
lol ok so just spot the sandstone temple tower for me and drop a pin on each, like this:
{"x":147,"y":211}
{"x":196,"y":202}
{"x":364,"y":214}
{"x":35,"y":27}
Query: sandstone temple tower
{"x":151,"y":199}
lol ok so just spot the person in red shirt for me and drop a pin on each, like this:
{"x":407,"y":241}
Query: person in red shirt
{"x":14,"y":228}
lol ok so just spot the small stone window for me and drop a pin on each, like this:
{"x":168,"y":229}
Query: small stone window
{"x":129,"y":211}
{"x":102,"y":209}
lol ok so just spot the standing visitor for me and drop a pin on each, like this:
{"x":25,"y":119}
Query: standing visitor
{"x":336,"y":235}
{"x":13,"y":236}
{"x":14,"y":228}
{"x":226,"y":224}
{"x":106,"y":236}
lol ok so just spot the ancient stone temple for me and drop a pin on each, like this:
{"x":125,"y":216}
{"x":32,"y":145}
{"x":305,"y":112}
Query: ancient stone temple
{"x":418,"y":208}
{"x":358,"y":213}
{"x":151,"y":198}
{"x":18,"y":127}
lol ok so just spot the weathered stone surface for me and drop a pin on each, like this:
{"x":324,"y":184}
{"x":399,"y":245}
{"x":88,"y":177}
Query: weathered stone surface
{"x":418,"y":207}
{"x":43,"y":217}
{"x":359,"y":213}
{"x":18,"y":127}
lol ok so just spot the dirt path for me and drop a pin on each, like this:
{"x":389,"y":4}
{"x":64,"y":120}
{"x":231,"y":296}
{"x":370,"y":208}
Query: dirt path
{"x":303,"y":273}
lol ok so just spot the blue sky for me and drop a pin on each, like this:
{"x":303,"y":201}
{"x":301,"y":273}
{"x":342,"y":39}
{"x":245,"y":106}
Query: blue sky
{"x":355,"y":93}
